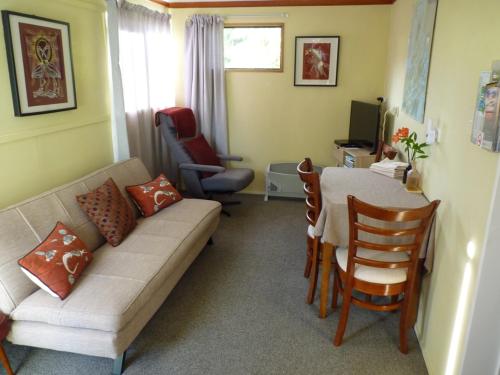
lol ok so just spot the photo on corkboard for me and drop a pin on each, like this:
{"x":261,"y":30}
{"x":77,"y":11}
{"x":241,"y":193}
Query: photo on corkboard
{"x":316,"y":60}
{"x":40,"y":65}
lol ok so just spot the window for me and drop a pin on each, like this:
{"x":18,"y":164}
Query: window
{"x":254,"y":47}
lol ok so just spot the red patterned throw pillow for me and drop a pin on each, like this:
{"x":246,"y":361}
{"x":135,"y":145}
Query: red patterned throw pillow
{"x":154,"y":196}
{"x":57,"y":262}
{"x":109,"y":211}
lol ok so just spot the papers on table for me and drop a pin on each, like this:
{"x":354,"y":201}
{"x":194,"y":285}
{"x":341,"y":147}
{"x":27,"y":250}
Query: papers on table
{"x":390,"y":168}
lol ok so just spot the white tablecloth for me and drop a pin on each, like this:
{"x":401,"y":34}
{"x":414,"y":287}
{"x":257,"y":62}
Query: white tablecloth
{"x":371,"y":187}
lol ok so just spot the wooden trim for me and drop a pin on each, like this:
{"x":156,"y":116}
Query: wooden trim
{"x":38,"y":131}
{"x":164,"y":3}
{"x":268,"y":3}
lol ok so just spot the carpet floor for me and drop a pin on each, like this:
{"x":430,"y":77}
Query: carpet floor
{"x":240,"y":309}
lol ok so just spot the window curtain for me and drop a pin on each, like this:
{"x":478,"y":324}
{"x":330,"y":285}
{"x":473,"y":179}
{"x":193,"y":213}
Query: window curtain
{"x":205,"y":86}
{"x":145,"y":55}
{"x":119,"y":135}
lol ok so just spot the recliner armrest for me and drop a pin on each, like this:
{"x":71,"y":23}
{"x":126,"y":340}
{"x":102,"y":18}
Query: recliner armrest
{"x":230,"y":157}
{"x":202,"y":167}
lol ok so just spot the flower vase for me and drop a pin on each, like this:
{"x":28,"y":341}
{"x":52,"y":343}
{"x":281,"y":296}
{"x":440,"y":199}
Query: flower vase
{"x":413,"y":179}
{"x":406,"y":172}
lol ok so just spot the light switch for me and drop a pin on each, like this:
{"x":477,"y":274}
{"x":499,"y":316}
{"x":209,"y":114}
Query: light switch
{"x":431,"y":135}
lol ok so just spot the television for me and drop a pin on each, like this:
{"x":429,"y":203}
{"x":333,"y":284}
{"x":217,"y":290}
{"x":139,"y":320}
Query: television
{"x":363,"y":126}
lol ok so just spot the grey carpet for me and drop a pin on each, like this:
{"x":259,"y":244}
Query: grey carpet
{"x":240,"y":309}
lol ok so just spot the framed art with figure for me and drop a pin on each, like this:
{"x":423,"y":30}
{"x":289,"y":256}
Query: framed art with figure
{"x":40,"y":64}
{"x":316,"y":60}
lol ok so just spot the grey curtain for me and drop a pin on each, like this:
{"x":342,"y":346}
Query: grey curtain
{"x":205,"y":86}
{"x":145,"y":54}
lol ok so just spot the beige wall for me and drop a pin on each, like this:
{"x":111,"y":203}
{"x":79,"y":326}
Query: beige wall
{"x":457,"y":172}
{"x":39,"y":152}
{"x":270,"y":120}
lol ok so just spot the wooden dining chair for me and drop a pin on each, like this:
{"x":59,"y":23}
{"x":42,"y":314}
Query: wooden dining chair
{"x":382,"y":267}
{"x":312,"y":189}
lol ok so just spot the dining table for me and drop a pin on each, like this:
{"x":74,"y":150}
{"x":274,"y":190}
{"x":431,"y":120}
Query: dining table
{"x":332,"y":225}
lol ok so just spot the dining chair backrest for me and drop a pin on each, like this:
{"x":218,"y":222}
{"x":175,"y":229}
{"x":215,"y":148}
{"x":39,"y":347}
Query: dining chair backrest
{"x":312,"y":189}
{"x":407,"y":225}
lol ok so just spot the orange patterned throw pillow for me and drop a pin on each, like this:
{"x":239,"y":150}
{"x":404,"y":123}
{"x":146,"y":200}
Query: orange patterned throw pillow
{"x":109,"y":211}
{"x":57,"y":262}
{"x":154,"y":196}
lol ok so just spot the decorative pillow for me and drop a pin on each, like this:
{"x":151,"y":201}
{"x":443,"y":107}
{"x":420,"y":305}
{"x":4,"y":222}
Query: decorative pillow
{"x":109,"y":211}
{"x":154,"y":196}
{"x":57,"y":262}
{"x":201,"y":152}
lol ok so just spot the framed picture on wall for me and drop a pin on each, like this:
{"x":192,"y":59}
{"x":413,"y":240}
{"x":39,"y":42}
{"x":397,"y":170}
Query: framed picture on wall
{"x":40,"y":64}
{"x":419,"y":59}
{"x":316,"y":60}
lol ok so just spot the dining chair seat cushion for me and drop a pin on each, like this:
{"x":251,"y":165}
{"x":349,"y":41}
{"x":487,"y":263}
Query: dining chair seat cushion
{"x":375,"y":274}
{"x":310,"y":231}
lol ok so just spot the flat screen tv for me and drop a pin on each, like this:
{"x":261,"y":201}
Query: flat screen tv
{"x":363,"y":126}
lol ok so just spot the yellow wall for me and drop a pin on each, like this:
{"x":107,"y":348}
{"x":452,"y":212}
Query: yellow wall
{"x":42,"y":151}
{"x":270,"y":120}
{"x":457,"y":172}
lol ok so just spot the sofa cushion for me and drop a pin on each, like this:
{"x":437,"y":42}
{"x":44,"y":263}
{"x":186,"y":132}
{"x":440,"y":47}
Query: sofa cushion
{"x":57,"y":262}
{"x":153,"y":196}
{"x":24,"y":225}
{"x":109,"y":211}
{"x":121,"y":280}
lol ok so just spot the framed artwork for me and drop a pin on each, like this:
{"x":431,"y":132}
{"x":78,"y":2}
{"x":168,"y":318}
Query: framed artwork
{"x":419,"y":58}
{"x":486,"y":124}
{"x":40,"y":65}
{"x":316,"y":60}
{"x":477,"y":134}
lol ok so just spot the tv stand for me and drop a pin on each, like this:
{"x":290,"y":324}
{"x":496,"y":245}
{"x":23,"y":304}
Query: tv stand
{"x":350,"y":157}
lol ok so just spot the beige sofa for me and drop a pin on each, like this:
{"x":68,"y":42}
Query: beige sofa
{"x":121,"y":289}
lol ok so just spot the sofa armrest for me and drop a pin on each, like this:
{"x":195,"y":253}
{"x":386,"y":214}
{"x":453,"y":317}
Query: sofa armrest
{"x":202,"y":167}
{"x":230,"y":157}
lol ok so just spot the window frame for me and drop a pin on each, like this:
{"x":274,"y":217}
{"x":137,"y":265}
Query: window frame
{"x":257,"y":26}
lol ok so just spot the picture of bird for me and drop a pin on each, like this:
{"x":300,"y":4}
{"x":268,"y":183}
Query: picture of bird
{"x":316,"y":61}
{"x":46,"y":71}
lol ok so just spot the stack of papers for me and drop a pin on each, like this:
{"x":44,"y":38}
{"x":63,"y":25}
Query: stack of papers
{"x":390,"y":168}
